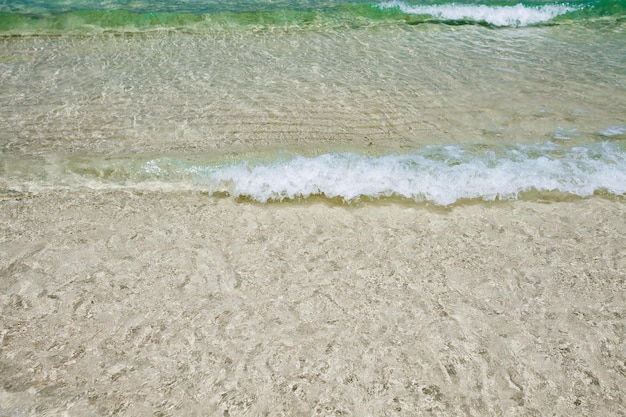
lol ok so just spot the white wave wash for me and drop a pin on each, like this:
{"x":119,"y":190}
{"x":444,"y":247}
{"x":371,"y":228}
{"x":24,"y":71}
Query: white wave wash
{"x":518,"y":15}
{"x":442,"y":175}
{"x":613,"y":131}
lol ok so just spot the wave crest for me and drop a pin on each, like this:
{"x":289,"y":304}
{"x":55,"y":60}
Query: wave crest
{"x":439,"y":174}
{"x":515,"y":16}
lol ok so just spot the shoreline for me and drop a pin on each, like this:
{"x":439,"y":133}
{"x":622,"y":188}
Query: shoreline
{"x":178,"y":303}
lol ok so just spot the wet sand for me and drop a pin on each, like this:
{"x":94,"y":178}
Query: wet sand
{"x":142,"y":304}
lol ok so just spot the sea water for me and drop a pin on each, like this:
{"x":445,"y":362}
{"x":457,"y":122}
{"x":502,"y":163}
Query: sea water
{"x":435,"y":102}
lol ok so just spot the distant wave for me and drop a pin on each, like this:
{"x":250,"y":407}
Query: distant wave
{"x":71,"y":19}
{"x":515,"y":15}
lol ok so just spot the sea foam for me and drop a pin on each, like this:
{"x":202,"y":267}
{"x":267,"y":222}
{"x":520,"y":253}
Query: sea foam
{"x":613,"y":131}
{"x":517,"y":15}
{"x":439,"y":174}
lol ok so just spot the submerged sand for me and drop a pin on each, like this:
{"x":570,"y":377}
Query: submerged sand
{"x":185,"y":304}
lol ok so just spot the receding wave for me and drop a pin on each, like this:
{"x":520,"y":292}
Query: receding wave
{"x":441,"y":175}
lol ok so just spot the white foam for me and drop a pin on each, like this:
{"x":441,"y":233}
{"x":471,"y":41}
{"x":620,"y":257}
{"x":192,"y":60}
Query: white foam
{"x":442,"y":175}
{"x":517,"y":15}
{"x":565,"y":134}
{"x":613,"y":131}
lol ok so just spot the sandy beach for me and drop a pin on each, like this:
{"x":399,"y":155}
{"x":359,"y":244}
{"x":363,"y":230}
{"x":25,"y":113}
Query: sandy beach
{"x":141,"y":304}
{"x":312,"y":208}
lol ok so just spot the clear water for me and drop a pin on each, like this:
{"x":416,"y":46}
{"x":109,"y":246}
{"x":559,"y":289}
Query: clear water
{"x":440,"y":103}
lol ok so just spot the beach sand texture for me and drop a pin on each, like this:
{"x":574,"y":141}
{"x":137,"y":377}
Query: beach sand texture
{"x":312,"y":208}
{"x":116,"y":303}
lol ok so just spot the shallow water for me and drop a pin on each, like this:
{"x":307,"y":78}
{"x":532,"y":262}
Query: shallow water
{"x":253,"y":91}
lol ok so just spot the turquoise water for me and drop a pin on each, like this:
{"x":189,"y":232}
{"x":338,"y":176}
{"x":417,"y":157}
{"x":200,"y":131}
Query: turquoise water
{"x":59,"y":17}
{"x":282,"y":100}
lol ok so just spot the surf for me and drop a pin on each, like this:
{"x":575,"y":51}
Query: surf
{"x":439,"y":174}
{"x":511,"y":15}
{"x":69,"y":18}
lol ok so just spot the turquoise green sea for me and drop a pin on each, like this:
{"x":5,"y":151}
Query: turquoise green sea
{"x":435,"y":102}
